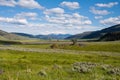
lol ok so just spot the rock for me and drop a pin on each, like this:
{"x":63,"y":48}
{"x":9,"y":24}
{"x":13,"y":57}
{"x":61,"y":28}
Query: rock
{"x":115,"y":71}
{"x":28,"y":70}
{"x":84,"y":67}
{"x":1,"y":72}
{"x":57,"y":66}
{"x":42,"y":73}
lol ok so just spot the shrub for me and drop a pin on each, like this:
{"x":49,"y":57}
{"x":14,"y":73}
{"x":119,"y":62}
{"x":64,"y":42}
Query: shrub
{"x":83,"y":67}
{"x":74,"y":41}
{"x":115,"y":71}
{"x":53,"y":46}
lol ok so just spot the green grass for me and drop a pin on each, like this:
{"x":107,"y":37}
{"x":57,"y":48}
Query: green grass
{"x":28,"y":65}
{"x":108,"y":47}
{"x":42,"y":46}
{"x":87,"y":46}
{"x":16,"y":63}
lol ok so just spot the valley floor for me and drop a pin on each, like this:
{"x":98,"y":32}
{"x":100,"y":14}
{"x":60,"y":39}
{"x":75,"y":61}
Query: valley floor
{"x":93,"y":61}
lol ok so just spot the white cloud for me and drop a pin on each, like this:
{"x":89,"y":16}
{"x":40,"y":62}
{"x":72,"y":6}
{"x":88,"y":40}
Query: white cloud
{"x":56,"y":20}
{"x":30,"y":15}
{"x":32,"y":4}
{"x":48,"y":28}
{"x":63,"y":23}
{"x":66,"y":19}
{"x":13,"y":21}
{"x":109,"y":5}
{"x":111,"y":21}
{"x":71,"y":5}
{"x":10,"y":3}
{"x":98,"y":17}
{"x":20,"y":18}
{"x":54,"y":11}
{"x":99,"y":12}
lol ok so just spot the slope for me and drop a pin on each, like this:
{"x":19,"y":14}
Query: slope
{"x":9,"y":36}
{"x":96,"y":34}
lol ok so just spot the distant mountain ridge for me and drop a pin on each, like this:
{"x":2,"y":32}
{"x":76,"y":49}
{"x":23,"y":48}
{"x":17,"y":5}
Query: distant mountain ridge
{"x":95,"y":34}
{"x":86,"y":35}
{"x":24,"y":34}
{"x":53,"y":36}
{"x":9,"y":36}
{"x":49,"y":36}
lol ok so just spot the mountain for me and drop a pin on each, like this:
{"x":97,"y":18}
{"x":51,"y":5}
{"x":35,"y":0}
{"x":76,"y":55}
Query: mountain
{"x":25,"y":35}
{"x":9,"y":36}
{"x":112,"y":36}
{"x":53,"y":36}
{"x":96,"y":34}
{"x":46,"y":37}
{"x":79,"y":36}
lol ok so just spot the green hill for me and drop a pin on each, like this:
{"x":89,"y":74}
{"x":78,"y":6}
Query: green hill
{"x":9,"y":36}
{"x":96,"y":34}
{"x":113,"y":36}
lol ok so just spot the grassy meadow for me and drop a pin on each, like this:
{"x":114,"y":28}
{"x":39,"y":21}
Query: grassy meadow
{"x":85,"y":61}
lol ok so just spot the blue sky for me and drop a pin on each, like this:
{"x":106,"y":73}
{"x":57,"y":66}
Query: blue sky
{"x":58,"y":16}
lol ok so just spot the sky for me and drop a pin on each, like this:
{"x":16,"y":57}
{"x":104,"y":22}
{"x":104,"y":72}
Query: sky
{"x":58,"y":16}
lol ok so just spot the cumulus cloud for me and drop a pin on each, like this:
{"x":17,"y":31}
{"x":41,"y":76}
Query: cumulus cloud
{"x":67,"y":19}
{"x":70,"y":5}
{"x":48,"y":28}
{"x":62,"y":23}
{"x":30,"y":15}
{"x":20,"y":18}
{"x":59,"y":28}
{"x":55,"y":19}
{"x":31,"y":4}
{"x":99,"y":12}
{"x":98,"y":17}
{"x":109,"y":5}
{"x":111,"y":21}
{"x":10,"y":3}
{"x":13,"y":21}
{"x":54,"y":11}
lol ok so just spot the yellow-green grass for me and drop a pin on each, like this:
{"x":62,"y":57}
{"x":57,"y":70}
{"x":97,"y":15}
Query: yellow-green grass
{"x":98,"y":46}
{"x":85,"y":46}
{"x":20,"y":65}
{"x":26,"y":65}
{"x":41,"y":46}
